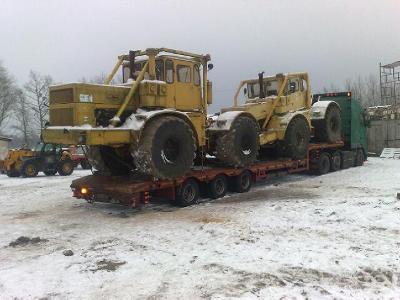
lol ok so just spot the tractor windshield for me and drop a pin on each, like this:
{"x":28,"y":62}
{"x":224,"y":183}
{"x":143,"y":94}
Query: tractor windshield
{"x":138,"y":67}
{"x":270,"y":89}
{"x":39,"y":147}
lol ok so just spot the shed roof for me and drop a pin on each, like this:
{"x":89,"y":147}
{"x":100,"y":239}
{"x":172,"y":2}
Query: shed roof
{"x":392,"y":65}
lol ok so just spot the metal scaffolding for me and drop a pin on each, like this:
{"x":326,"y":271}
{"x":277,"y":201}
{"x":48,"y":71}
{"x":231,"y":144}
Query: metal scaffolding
{"x":390,"y":83}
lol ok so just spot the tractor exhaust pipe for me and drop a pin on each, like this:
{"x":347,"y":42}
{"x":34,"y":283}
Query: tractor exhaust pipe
{"x":131,"y":64}
{"x":261,"y":83}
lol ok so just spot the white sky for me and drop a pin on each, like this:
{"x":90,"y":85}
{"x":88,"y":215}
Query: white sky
{"x":332,"y":40}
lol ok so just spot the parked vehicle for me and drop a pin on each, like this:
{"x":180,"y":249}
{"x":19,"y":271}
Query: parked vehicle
{"x":46,"y":158}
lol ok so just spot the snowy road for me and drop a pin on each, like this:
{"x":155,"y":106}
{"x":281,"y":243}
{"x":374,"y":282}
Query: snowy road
{"x":336,"y":235}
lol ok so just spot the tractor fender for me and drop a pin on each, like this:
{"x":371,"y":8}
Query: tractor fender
{"x":138,"y":120}
{"x":224,"y":121}
{"x":318,"y":110}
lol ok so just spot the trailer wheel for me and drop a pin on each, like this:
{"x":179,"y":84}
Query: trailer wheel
{"x":187,"y":194}
{"x":29,"y":169}
{"x":336,"y":161}
{"x":324,"y":164}
{"x":242,"y":183}
{"x":359,"y":161}
{"x":218,"y":187}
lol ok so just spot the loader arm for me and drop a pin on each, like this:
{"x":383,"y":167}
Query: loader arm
{"x":135,"y":85}
{"x":274,"y":103}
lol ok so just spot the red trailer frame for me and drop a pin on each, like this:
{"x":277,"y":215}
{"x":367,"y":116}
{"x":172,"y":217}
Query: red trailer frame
{"x":135,"y":192}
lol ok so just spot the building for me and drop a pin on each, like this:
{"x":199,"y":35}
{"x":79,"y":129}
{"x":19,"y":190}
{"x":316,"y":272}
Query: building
{"x":384,"y":131}
{"x":4,"y":141}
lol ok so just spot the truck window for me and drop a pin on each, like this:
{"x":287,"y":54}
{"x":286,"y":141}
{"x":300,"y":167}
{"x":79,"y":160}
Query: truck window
{"x":160,"y":69}
{"x":196,"y":75}
{"x":183,"y":73}
{"x":169,"y":71}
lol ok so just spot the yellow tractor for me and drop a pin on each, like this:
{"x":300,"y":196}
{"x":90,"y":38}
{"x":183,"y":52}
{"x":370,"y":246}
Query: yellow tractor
{"x":48,"y":158}
{"x":275,"y":116}
{"x":154,"y":122}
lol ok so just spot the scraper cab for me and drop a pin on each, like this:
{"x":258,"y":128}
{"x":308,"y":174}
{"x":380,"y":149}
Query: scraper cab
{"x":152,"y":123}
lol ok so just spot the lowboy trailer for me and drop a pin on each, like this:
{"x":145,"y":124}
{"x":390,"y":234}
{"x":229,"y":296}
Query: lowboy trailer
{"x":210,"y":181}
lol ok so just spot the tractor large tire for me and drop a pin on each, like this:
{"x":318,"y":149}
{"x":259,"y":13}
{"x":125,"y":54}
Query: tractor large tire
{"x":329,"y":129}
{"x":239,"y":146}
{"x":167,"y":148}
{"x":29,"y":169}
{"x":108,"y":161}
{"x":65,"y":167}
{"x":297,"y":138}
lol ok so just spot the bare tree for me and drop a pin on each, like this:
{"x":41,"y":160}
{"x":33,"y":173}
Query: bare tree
{"x":100,"y":78}
{"x":23,"y":116}
{"x":372,"y":90}
{"x":37,"y":93}
{"x":7,"y":93}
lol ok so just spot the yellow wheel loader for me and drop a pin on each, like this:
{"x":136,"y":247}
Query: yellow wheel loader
{"x":276,"y":115}
{"x":154,"y":122}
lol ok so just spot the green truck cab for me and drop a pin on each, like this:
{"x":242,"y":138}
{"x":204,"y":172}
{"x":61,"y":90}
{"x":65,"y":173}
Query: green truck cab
{"x":354,"y":124}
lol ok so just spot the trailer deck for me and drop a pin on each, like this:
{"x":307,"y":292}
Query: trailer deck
{"x":134,"y":192}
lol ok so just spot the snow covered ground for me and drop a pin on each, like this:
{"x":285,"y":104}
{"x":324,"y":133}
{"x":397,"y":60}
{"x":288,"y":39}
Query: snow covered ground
{"x":332,"y":236}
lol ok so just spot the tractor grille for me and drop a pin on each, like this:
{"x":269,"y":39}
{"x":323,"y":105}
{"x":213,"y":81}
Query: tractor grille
{"x":61,"y":117}
{"x":62,"y":96}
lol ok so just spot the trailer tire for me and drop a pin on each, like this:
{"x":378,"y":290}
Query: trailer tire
{"x":359,"y":159}
{"x":167,"y":148}
{"x":329,"y":129}
{"x":65,"y":167}
{"x":242,"y":182}
{"x":29,"y":169}
{"x":218,"y":187}
{"x":239,"y":146}
{"x":297,"y":138}
{"x":187,"y":193}
{"x":336,"y":161}
{"x":324,"y":164}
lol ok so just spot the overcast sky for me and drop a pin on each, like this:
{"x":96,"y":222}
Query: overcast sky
{"x":332,"y":40}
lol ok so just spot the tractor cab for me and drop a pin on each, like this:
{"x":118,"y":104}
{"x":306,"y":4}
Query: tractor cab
{"x":176,"y":84}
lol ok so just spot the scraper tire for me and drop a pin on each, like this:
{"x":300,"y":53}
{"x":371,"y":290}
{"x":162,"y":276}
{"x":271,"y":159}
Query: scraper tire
{"x":239,"y":146}
{"x":167,"y":148}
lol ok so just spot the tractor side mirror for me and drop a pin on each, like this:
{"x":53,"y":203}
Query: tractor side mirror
{"x":245,"y":91}
{"x":210,"y":67}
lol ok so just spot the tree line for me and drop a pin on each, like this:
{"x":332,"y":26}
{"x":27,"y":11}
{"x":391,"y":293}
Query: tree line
{"x":366,"y":89}
{"x":23,"y":110}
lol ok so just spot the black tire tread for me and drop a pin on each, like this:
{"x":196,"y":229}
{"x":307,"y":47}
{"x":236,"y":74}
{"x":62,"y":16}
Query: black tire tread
{"x":143,"y":155}
{"x":226,"y":143}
